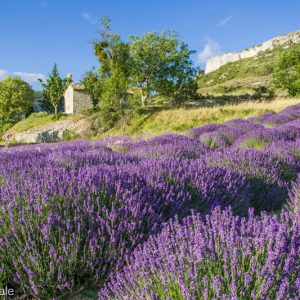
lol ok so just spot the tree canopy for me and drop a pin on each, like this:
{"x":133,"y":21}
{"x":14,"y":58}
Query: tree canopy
{"x":287,"y":71}
{"x":110,"y":86}
{"x":161,"y":64}
{"x":54,"y":89}
{"x":16,"y":99}
{"x":149,"y":65}
{"x":93,"y":84}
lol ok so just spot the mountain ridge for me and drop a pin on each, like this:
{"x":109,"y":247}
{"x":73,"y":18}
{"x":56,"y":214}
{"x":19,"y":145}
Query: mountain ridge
{"x":215,"y":62}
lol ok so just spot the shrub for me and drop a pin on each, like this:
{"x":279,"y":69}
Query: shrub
{"x":287,"y":71}
{"x":70,"y":225}
{"x":270,"y":176}
{"x":220,"y":256}
{"x":293,"y":204}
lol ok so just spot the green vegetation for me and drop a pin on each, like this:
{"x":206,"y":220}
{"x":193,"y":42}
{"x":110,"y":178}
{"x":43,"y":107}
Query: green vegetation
{"x":145,"y":67}
{"x":54,"y":89}
{"x":209,"y":142}
{"x":255,"y":142}
{"x":16,"y":99}
{"x":148,"y":85}
{"x":113,"y":79}
{"x":153,"y":120}
{"x":247,"y":76}
{"x":287,"y":71}
{"x":161,"y":64}
{"x":37,"y":120}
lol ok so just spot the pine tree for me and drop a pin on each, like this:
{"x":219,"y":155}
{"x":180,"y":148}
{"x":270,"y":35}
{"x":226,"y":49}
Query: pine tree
{"x":54,"y":89}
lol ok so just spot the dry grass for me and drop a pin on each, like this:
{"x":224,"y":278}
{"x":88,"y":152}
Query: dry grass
{"x":175,"y":120}
{"x":37,"y":120}
{"x":181,"y":119}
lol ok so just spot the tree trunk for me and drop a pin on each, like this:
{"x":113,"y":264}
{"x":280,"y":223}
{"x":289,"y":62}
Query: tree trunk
{"x":144,"y":98}
{"x":56,"y":109}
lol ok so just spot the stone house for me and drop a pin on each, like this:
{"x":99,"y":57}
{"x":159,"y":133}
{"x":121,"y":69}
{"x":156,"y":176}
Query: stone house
{"x":77,"y":99}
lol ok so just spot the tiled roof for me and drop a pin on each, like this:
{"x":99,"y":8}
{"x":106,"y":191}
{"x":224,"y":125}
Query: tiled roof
{"x":78,"y":86}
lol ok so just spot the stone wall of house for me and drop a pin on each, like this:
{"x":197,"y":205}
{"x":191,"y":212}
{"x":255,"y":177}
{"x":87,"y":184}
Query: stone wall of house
{"x":216,"y":62}
{"x":82,"y":100}
{"x":68,"y":105}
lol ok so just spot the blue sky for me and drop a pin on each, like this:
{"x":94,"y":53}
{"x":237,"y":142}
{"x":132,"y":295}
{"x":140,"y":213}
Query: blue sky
{"x":34,"y":34}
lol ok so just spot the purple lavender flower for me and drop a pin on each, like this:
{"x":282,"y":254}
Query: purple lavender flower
{"x":98,"y":212}
{"x":201,"y":242}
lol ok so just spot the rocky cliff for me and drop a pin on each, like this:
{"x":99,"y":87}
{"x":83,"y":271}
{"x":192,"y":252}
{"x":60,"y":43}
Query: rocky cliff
{"x":216,"y":62}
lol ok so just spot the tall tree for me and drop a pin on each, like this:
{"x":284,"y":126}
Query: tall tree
{"x":54,"y":89}
{"x":112,"y":53}
{"x":287,"y":71}
{"x":161,"y":64}
{"x":114,"y":73}
{"x":16,"y":100}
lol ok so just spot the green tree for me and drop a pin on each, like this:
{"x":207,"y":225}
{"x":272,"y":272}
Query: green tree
{"x":111,"y":52}
{"x":16,"y":100}
{"x":54,"y":89}
{"x":114,"y":74}
{"x":93,"y":84}
{"x":161,"y":64}
{"x":287,"y":71}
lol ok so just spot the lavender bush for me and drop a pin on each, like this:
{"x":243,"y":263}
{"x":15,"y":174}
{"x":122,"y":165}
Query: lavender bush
{"x":196,"y":132}
{"x":221,"y":138}
{"x":72,"y":227}
{"x":270,"y":176}
{"x":168,"y":146}
{"x":259,"y":138}
{"x":293,"y":204}
{"x":65,"y":222}
{"x":221,"y":256}
{"x":78,"y":215}
{"x":244,"y":125}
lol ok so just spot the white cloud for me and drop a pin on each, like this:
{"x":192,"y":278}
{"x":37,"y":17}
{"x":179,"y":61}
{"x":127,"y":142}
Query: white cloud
{"x":31,"y":78}
{"x":211,"y":48}
{"x":3,"y":73}
{"x":88,"y":17}
{"x":223,"y":22}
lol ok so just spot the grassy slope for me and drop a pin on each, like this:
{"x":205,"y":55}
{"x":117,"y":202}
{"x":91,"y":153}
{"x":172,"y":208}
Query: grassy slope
{"x":37,"y":120}
{"x":243,"y":76}
{"x":178,"y":120}
{"x":181,"y":119}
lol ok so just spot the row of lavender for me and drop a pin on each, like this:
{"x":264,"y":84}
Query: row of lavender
{"x":114,"y":215}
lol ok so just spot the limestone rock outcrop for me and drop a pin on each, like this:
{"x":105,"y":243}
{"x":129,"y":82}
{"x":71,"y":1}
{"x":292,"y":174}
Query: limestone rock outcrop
{"x":216,"y":62}
{"x":53,"y":132}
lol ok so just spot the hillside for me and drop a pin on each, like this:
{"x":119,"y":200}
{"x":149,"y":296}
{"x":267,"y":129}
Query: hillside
{"x":251,"y":76}
{"x":234,"y":90}
{"x":286,"y":40}
{"x":179,"y":120}
{"x":149,"y":122}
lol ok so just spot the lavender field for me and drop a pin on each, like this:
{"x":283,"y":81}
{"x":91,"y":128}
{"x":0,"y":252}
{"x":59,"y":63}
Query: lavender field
{"x":212,"y":214}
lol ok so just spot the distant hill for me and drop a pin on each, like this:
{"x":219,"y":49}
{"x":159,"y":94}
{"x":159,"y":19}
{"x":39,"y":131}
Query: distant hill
{"x":246,"y":75}
{"x":285,"y":41}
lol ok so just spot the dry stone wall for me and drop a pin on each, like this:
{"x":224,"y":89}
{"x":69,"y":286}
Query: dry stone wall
{"x":82,"y":100}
